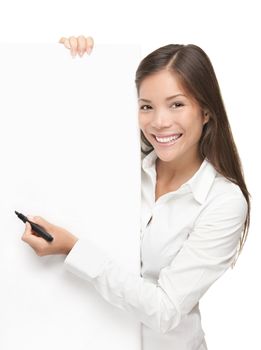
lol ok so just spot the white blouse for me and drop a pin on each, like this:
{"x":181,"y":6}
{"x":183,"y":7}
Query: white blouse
{"x":189,"y":238}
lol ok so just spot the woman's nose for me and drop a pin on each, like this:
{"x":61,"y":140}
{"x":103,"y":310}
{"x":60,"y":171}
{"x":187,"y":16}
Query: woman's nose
{"x":161,"y":120}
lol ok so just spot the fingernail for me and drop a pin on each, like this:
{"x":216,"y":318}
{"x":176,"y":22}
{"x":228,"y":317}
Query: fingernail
{"x":89,"y":50}
{"x":30,"y":217}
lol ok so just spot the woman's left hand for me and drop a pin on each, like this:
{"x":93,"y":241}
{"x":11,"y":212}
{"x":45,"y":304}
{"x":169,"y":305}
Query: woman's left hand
{"x":62,"y":242}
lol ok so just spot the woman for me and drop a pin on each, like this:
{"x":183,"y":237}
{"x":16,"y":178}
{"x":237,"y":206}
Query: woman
{"x":195,"y":204}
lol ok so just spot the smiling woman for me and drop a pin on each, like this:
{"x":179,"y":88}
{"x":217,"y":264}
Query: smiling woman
{"x":199,"y":116}
{"x":196,"y":207}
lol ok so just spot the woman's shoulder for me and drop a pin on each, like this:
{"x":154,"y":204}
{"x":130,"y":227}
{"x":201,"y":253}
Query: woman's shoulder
{"x":225,"y":192}
{"x":223,"y":185}
{"x":224,"y":205}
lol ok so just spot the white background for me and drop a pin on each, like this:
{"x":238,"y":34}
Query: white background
{"x":228,"y":32}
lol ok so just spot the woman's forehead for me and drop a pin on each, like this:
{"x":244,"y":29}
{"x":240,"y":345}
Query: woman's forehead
{"x":163,"y":83}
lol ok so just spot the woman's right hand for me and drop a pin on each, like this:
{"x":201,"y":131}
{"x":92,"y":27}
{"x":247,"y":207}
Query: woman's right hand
{"x":78,"y":45}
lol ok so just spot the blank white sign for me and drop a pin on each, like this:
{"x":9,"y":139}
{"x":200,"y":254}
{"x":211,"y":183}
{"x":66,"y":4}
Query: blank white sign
{"x":70,"y":152}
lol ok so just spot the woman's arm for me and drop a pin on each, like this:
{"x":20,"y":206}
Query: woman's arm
{"x":203,"y":258}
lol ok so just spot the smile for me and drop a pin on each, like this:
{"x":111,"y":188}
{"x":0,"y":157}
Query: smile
{"x":167,"y":140}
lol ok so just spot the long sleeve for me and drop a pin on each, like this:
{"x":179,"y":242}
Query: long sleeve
{"x":205,"y":255}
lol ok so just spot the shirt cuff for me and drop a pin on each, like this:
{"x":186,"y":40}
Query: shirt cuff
{"x":86,"y":260}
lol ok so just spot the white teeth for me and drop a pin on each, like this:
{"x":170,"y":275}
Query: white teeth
{"x":167,"y":139}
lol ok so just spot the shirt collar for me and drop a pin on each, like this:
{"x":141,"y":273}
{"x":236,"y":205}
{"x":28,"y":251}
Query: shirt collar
{"x":199,"y":184}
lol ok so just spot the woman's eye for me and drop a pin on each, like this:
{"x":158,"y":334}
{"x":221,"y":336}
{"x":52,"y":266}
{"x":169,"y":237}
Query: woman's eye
{"x":177,"y":104}
{"x":145,"y":109}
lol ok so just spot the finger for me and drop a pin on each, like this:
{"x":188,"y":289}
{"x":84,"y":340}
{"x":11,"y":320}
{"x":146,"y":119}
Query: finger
{"x":82,"y":45}
{"x":90,"y":44}
{"x":28,"y":232}
{"x":73,"y":45}
{"x":39,"y":220}
{"x":28,"y":228}
{"x":26,"y":237}
{"x":65,"y":42}
{"x":34,"y":241}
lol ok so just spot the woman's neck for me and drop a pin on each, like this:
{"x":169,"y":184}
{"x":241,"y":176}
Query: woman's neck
{"x":169,"y":173}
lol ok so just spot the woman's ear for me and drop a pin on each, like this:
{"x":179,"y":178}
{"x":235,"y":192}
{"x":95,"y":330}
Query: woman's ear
{"x":205,"y":117}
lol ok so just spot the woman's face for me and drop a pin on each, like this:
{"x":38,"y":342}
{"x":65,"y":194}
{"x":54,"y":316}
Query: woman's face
{"x":170,"y":119}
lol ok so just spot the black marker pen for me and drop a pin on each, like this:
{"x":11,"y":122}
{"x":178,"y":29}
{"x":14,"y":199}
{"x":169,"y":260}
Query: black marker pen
{"x":37,"y":228}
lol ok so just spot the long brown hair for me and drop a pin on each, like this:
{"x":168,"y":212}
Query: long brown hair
{"x":196,"y":74}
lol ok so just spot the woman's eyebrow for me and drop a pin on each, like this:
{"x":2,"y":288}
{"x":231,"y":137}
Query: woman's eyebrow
{"x":168,"y":98}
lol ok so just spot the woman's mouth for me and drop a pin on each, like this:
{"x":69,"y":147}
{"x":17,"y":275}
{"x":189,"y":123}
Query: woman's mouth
{"x":167,"y":141}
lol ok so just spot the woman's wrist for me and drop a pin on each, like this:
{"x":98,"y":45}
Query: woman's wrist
{"x":70,"y":244}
